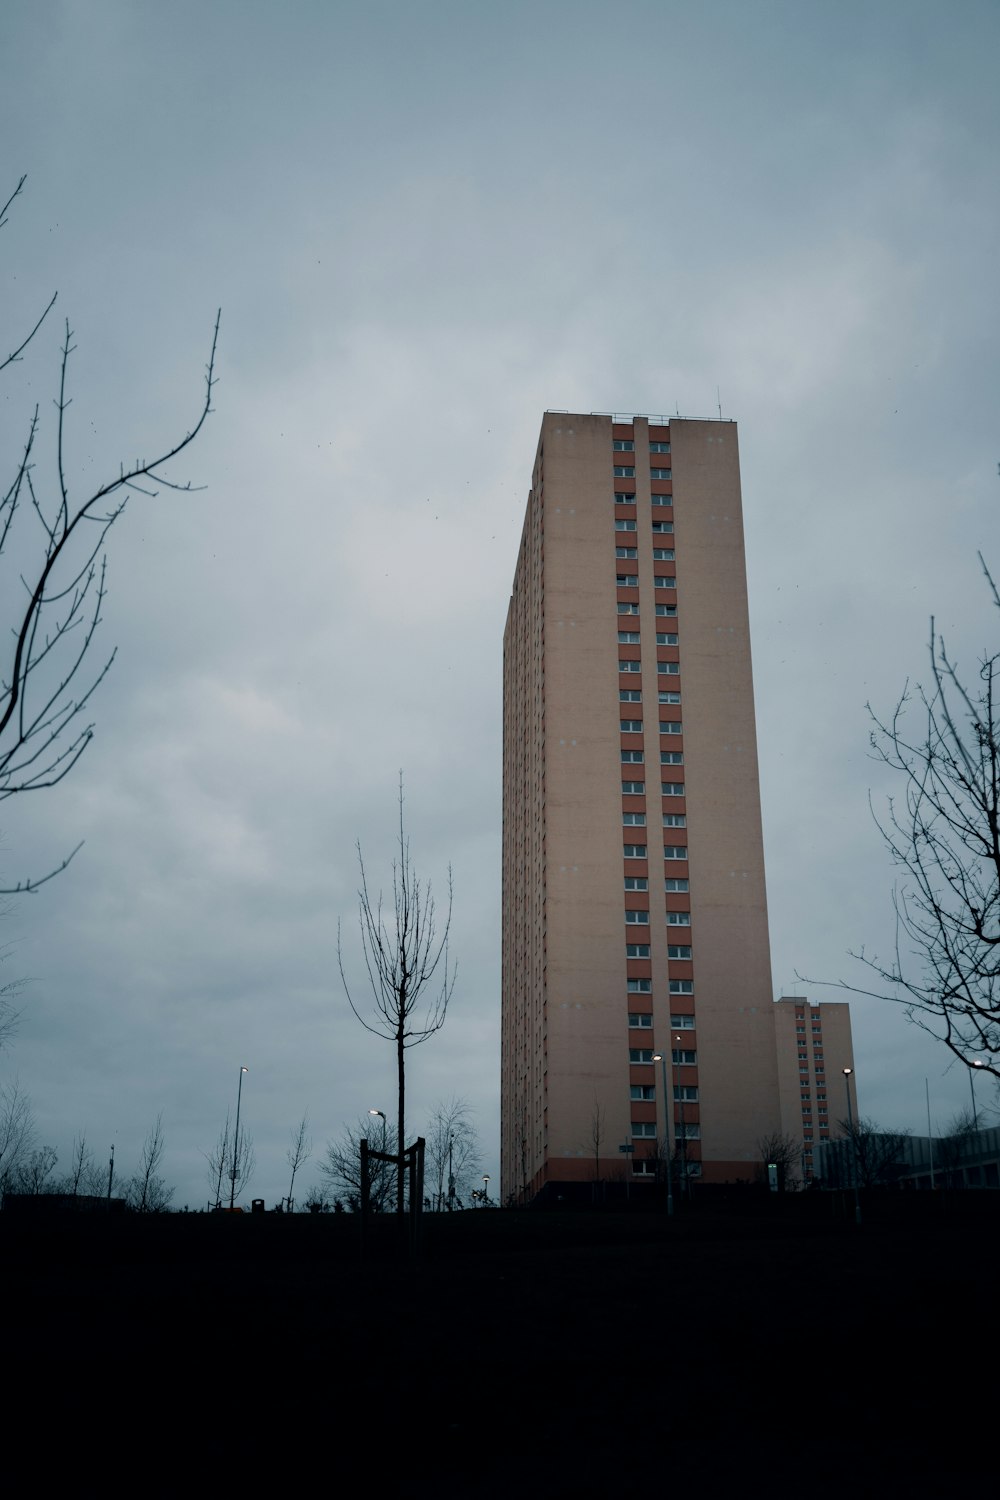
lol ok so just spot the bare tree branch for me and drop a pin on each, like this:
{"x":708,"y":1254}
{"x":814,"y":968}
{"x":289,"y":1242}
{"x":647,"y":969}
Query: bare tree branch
{"x":407,"y":963}
{"x":56,"y":588}
{"x":943,"y":835}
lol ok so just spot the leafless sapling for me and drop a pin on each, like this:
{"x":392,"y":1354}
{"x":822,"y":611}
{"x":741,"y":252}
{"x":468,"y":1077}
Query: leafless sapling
{"x":408,"y":968}
{"x":53,"y":582}
{"x":297,"y":1155}
{"x":147,"y":1193}
{"x":452,"y":1151}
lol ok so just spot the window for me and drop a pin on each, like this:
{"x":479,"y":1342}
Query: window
{"x":663,"y":526}
{"x":633,"y":788}
{"x":643,"y":1129}
{"x":665,"y":609}
{"x":667,"y":638}
{"x":678,"y":918}
{"x":670,"y":726}
{"x":621,"y":525}
{"x":632,"y":757}
{"x":630,"y":695}
{"x":802,"y":1029}
{"x":624,"y":471}
{"x":672,"y":884}
{"x":669,"y":697}
{"x":630,"y":666}
{"x":675,"y":851}
{"x":636,"y":883}
{"x":634,"y":820}
{"x":628,"y":637}
{"x":668,"y":668}
{"x":659,"y":447}
{"x":662,"y":554}
{"x":682,"y":986}
{"x":624,"y":445}
{"x":627,"y":580}
{"x":640,"y":1055}
{"x":663,"y":500}
{"x":675,"y":820}
{"x":626,"y":607}
{"x":659,"y":473}
{"x":636,"y":950}
{"x":678,"y":950}
{"x":684,"y":1057}
{"x":630,"y":726}
{"x":627,"y":552}
{"x":640,"y":1023}
{"x":682,"y":1023}
{"x":644,"y":1091}
{"x":672,"y":788}
{"x":688,"y":1131}
{"x":686,"y":1093}
{"x":821,"y":1109}
{"x":623,"y":497}
{"x":637,"y":919}
{"x":635,"y":851}
{"x":640,"y":986}
{"x":671,"y":757}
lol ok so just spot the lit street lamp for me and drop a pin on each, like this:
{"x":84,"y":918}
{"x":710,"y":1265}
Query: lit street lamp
{"x":486,"y":1189}
{"x":854,"y":1143}
{"x":972,"y":1089}
{"x":236,"y":1143}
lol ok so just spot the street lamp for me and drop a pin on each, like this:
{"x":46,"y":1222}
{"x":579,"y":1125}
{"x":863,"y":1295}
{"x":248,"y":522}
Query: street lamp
{"x":486,"y":1189}
{"x":684,"y":1149}
{"x":451,"y":1177}
{"x":381,"y":1166}
{"x":972,"y":1089}
{"x":661,"y":1057}
{"x":850,"y":1121}
{"x":236,"y":1143}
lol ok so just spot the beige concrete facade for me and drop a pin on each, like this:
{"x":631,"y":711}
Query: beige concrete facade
{"x":814,"y":1046}
{"x":634,"y":908}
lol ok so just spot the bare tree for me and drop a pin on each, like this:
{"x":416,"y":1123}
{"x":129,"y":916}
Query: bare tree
{"x":954,"y":1145}
{"x":341,"y":1169}
{"x":452,"y":1151}
{"x":223,"y":1168}
{"x":17,"y":1130}
{"x":81,"y":1167}
{"x":781,"y":1151}
{"x":32,"y":1176}
{"x":298,"y":1154}
{"x":408,"y":969}
{"x":871,"y":1156}
{"x":598,"y":1134}
{"x":943,"y":834}
{"x":53,"y":584}
{"x":147,"y":1192}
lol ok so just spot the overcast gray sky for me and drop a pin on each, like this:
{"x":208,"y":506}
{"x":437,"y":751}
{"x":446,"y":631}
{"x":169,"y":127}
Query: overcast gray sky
{"x":426,"y":223}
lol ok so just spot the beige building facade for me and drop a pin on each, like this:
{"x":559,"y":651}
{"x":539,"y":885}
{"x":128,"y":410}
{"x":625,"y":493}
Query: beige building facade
{"x":814,"y":1049}
{"x":636,"y":966}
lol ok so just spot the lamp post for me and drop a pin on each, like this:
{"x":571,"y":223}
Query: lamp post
{"x":381,"y":1164}
{"x":486,"y":1189}
{"x":972,"y":1089}
{"x":451,"y":1177}
{"x":661,"y":1057}
{"x":684,"y":1150}
{"x":236,"y":1143}
{"x":850,"y":1121}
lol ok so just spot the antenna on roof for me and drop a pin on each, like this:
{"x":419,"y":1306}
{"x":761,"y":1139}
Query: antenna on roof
{"x":718,"y":399}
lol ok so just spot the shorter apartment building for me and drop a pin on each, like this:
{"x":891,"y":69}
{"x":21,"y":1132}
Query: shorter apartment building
{"x":814,"y":1047}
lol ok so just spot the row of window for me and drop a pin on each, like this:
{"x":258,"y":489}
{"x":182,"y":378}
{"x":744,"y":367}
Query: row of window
{"x":660,"y":554}
{"x":634,"y":695}
{"x":627,"y":471}
{"x":627,"y":445}
{"x":667,"y":789}
{"x":658,"y":527}
{"x":641,"y":1021}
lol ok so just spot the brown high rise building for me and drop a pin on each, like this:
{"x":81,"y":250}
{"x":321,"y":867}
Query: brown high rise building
{"x":635,"y":941}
